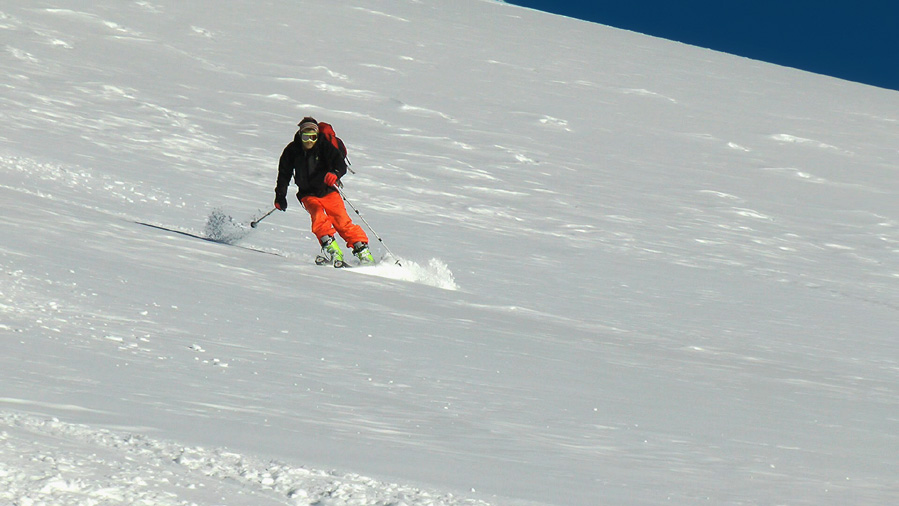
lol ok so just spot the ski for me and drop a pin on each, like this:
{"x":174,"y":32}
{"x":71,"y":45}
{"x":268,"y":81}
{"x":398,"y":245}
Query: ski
{"x":197,"y":236}
{"x":323,"y":260}
{"x":319,"y":259}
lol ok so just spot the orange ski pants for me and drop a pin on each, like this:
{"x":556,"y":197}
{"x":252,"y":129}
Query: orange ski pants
{"x":329,"y":215}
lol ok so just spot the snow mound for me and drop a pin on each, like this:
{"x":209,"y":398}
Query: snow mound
{"x":98,"y":466}
{"x":436,"y":273}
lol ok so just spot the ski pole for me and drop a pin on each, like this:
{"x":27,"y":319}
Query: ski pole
{"x":368,"y":225}
{"x":264,"y":216}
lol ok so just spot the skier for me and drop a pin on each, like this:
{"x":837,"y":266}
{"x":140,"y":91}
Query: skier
{"x":317,"y":168}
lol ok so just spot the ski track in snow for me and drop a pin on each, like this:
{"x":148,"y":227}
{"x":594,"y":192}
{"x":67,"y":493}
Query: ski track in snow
{"x":220,"y":226}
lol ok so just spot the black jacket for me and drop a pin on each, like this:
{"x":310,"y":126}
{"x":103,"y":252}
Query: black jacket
{"x":308,"y":168}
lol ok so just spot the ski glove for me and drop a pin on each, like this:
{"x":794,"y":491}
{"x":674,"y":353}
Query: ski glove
{"x":281,"y":202}
{"x":330,"y":179}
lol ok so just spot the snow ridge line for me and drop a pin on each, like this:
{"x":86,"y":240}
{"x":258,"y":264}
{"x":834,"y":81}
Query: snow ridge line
{"x":48,"y":474}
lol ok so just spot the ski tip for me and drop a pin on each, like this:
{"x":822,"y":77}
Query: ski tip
{"x":340,"y":264}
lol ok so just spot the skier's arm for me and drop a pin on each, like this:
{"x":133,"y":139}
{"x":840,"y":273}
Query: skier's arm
{"x":285,"y":171}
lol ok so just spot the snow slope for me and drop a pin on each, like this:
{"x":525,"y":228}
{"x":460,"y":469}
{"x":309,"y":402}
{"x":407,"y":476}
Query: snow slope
{"x":634,"y":271}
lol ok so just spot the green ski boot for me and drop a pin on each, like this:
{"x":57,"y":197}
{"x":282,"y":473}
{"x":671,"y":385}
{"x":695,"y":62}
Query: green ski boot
{"x":331,"y":253}
{"x":360,"y":249}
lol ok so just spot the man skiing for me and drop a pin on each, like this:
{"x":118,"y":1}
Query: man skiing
{"x":317,"y":166}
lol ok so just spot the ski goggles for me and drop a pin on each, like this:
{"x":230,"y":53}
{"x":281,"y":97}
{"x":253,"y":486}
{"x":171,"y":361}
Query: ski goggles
{"x":311,"y":136}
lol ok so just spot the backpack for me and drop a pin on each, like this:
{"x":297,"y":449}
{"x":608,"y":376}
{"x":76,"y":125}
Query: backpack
{"x":327,"y":131}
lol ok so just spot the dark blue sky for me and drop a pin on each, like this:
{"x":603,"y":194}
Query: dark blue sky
{"x":856,"y":40}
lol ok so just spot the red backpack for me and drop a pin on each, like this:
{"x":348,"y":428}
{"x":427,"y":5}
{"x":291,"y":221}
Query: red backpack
{"x":326,"y":130}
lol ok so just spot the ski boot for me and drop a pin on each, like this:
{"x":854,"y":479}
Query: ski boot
{"x":331,"y":253}
{"x":360,"y":249}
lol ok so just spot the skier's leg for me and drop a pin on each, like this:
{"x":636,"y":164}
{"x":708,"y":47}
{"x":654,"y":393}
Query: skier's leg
{"x":321,"y":222}
{"x":349,"y":231}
